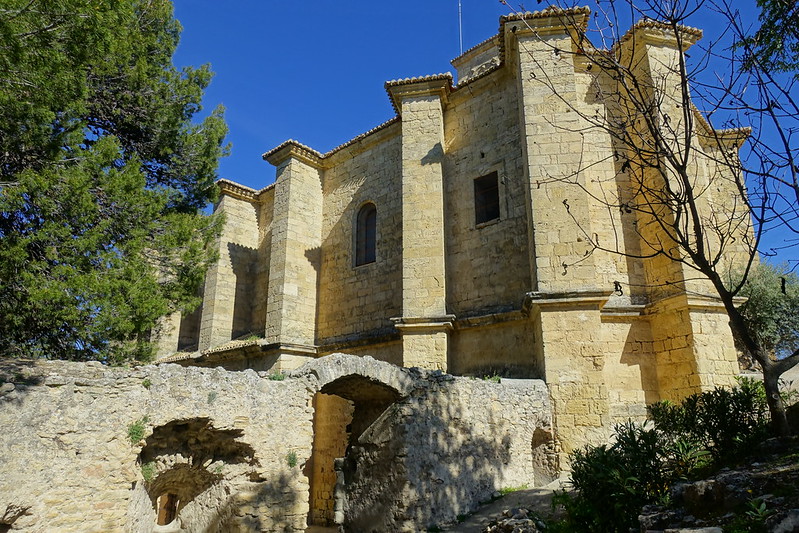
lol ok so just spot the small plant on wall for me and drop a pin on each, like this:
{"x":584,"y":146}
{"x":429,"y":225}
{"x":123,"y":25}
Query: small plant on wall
{"x":148,"y":471}
{"x":136,"y":430}
{"x":291,"y":459}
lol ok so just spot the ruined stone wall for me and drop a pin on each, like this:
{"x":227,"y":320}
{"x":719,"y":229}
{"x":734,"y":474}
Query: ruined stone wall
{"x":244,"y":453}
{"x":67,"y":460}
{"x":359,"y":300}
{"x":446,"y":448}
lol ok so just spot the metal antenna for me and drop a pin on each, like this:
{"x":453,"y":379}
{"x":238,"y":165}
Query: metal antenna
{"x":460,"y":25}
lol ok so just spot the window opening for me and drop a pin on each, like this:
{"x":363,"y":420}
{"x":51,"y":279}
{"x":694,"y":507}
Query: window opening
{"x":167,"y":508}
{"x":486,"y":198}
{"x":366,"y":235}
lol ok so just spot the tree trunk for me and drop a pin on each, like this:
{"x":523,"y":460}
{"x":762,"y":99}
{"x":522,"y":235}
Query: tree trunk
{"x":776,"y":407}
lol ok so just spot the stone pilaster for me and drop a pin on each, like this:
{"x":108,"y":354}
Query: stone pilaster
{"x":424,"y":325}
{"x":569,"y":325}
{"x":569,"y":290}
{"x":553,"y":143}
{"x":226,"y":299}
{"x":692,"y":341}
{"x":295,"y":255}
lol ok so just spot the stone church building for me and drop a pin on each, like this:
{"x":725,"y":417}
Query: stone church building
{"x":457,"y":240}
{"x":446,"y":238}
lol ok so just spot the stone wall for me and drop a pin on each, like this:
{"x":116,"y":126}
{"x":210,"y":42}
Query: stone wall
{"x":358,"y":301}
{"x":446,"y":448}
{"x":240,"y":452}
{"x":67,"y":459}
{"x":488,"y":265}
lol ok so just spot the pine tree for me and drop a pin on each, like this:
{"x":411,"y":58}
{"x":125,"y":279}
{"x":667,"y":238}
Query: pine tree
{"x":103,"y":176}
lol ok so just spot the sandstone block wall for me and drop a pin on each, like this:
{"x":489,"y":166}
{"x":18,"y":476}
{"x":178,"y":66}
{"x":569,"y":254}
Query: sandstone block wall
{"x":246,"y":453}
{"x":230,"y":282}
{"x":537,"y":292}
{"x":358,"y":301}
{"x":67,"y":460}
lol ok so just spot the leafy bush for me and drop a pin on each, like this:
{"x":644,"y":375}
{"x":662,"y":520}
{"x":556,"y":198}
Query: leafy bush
{"x":612,"y":483}
{"x":725,"y":422}
{"x":136,"y":430}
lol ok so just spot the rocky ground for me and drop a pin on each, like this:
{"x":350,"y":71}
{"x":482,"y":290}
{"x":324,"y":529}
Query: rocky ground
{"x":757,"y":495}
{"x":760,"y":494}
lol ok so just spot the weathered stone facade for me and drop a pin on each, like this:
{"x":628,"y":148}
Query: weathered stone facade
{"x":463,"y":284}
{"x":241,"y":452}
{"x":441,"y":245}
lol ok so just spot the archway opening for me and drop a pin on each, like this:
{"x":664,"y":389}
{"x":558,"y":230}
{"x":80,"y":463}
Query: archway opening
{"x":343,"y":410}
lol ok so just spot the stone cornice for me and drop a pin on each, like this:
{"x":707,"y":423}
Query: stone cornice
{"x":475,"y":50}
{"x":418,"y":324}
{"x":648,"y":31}
{"x":436,"y":84}
{"x":294,"y":149}
{"x":241,"y":192}
{"x":575,"y":299}
{"x":550,"y":21}
{"x":729,"y":137}
{"x":231,"y":188}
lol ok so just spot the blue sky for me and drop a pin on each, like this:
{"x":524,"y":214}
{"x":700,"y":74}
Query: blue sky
{"x":314,"y":70}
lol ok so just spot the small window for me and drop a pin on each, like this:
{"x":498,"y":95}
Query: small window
{"x":366,"y":235}
{"x":486,"y":198}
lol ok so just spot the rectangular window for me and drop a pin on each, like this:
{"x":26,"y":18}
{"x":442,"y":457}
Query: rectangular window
{"x":486,"y":198}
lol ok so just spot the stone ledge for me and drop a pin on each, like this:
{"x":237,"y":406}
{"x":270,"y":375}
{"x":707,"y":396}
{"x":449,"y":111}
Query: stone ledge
{"x":565,"y":300}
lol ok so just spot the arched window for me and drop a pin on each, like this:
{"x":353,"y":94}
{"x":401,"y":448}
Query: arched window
{"x":366,"y":235}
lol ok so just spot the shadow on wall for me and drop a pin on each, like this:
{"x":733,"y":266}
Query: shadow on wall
{"x":429,"y":459}
{"x":16,"y":375}
{"x":243,"y":260}
{"x":201,"y":479}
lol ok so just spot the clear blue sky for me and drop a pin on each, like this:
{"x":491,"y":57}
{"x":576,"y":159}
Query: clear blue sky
{"x":314,"y":70}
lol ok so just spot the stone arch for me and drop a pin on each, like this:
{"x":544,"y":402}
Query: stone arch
{"x":352,"y":393}
{"x":187,"y":465}
{"x":363,"y":369}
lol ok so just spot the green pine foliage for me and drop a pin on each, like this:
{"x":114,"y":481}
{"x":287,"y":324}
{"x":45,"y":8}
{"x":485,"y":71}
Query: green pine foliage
{"x":103,"y":175}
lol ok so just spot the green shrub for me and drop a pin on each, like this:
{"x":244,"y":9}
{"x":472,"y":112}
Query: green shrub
{"x":613,"y":482}
{"x":725,"y":422}
{"x":276,"y":376}
{"x":148,"y":471}
{"x":146,"y":383}
{"x":291,"y":459}
{"x":136,"y":430}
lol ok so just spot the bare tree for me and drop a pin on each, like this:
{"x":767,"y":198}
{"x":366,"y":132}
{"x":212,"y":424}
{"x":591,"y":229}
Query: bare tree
{"x":697,"y":198}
